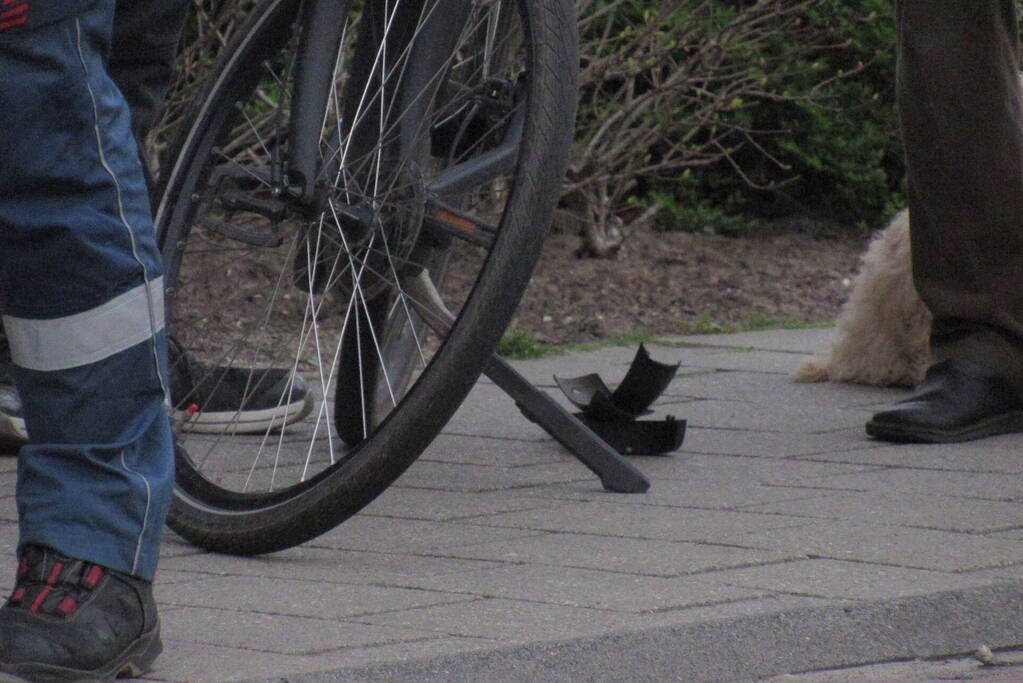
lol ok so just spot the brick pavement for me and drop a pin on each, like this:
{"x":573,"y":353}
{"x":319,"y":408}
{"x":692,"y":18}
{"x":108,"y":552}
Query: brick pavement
{"x":778,"y":539}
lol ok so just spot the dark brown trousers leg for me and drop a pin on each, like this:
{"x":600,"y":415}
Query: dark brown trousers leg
{"x":960,"y":105}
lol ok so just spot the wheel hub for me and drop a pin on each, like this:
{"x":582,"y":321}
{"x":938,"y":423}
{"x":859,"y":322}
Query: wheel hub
{"x":365,"y":245}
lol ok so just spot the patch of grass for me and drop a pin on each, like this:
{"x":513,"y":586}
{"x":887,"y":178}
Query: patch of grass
{"x":518,"y":344}
{"x":705,"y":323}
{"x":630,"y":339}
{"x":762,"y":321}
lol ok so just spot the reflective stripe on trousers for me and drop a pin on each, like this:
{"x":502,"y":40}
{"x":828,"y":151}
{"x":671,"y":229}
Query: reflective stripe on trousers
{"x":80,"y":290}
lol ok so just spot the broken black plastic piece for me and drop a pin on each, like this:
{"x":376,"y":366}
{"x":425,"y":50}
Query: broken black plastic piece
{"x":639,"y":437}
{"x":592,"y":397}
{"x":612,"y":414}
{"x":643,"y":384}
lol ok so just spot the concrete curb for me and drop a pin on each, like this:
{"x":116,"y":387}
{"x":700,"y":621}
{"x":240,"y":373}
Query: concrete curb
{"x":742,"y":648}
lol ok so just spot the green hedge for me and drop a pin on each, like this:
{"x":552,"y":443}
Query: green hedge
{"x":838,"y":144}
{"x":814,"y":134}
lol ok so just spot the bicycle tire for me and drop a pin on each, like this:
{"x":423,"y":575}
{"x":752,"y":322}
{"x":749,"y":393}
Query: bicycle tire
{"x":239,"y":296}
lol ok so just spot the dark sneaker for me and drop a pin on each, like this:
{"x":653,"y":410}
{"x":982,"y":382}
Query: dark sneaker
{"x":207,"y":398}
{"x":68,"y":619}
{"x":212,"y":399}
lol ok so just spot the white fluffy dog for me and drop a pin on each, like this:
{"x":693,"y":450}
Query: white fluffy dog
{"x":882,"y":330}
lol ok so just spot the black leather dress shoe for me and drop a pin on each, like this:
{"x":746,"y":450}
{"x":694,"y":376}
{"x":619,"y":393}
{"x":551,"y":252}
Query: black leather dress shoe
{"x":958,"y":400}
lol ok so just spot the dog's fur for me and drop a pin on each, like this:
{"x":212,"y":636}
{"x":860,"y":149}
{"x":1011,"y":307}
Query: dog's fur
{"x":882,"y":330}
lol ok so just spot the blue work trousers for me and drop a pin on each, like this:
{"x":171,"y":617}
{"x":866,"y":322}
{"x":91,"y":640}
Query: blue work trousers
{"x":82,"y":297}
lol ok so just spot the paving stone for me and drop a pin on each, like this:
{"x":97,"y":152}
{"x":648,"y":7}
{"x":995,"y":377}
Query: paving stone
{"x":835,"y":579}
{"x":416,"y":650}
{"x":935,"y":511}
{"x":774,"y":444}
{"x":586,"y":588}
{"x":445,"y":476}
{"x":380,"y":534}
{"x":751,"y":360}
{"x":901,"y":546}
{"x":167,"y":578}
{"x":726,"y":474}
{"x":808,"y":341}
{"x":8,"y":506}
{"x":195,"y":662}
{"x":275,"y":632}
{"x":626,"y":555}
{"x":484,"y":450}
{"x":8,"y":549}
{"x":489,"y":412}
{"x":990,"y":486}
{"x":724,"y":471}
{"x":1012,"y":572}
{"x":777,"y":417}
{"x":710,"y":481}
{"x":640,"y":521}
{"x":511,"y":621}
{"x":676,"y":493}
{"x":204,"y":662}
{"x":300,"y":598}
{"x":318,"y":564}
{"x":771,"y":603}
{"x":439,"y":505}
{"x":1000,"y":454}
{"x":1016,"y":533}
{"x":765,"y":387}
{"x":175,"y":546}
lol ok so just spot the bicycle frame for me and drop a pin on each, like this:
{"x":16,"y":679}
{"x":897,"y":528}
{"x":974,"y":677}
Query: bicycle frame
{"x":322,"y":24}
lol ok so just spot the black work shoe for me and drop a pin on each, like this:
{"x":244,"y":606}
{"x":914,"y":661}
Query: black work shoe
{"x":958,"y":400}
{"x":68,"y":619}
{"x":214,"y":399}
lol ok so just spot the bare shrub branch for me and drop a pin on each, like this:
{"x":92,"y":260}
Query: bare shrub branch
{"x":659,"y":86}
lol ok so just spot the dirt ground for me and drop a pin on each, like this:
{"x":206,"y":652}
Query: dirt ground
{"x":671,"y":283}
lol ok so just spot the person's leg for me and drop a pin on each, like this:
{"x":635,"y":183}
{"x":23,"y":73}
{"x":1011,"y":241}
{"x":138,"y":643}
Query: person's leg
{"x":962,"y":121}
{"x":141,"y":64}
{"x":142,"y":54}
{"x":82,"y":300}
{"x":143,"y":49}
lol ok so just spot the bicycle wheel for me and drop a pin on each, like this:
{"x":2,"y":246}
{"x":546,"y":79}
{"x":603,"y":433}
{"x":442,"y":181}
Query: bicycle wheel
{"x":388,"y":293}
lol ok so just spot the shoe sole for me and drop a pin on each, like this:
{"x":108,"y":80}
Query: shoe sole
{"x":243,"y":422}
{"x":1006,"y":423}
{"x":135,"y":661}
{"x":231,"y":422}
{"x":13,"y":428}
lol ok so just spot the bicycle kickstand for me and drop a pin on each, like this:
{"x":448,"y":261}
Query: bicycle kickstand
{"x":616,"y":474}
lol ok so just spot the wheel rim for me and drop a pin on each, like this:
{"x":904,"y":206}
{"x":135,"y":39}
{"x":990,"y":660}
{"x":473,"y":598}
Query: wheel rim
{"x":325,"y":293}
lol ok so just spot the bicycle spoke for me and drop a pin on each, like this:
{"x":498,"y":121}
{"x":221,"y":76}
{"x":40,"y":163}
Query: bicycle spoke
{"x":412,"y":180}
